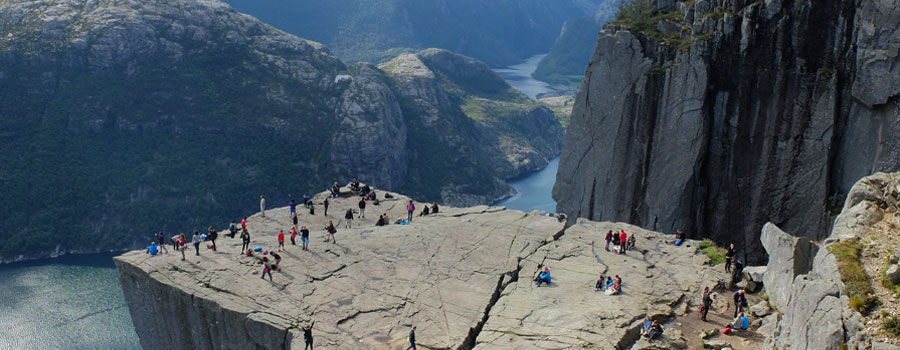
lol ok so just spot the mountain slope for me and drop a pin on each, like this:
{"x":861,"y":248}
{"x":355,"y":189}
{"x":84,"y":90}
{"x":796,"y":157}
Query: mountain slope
{"x":572,"y":50}
{"x":122,"y":119}
{"x":499,"y":33}
{"x":717,"y":117}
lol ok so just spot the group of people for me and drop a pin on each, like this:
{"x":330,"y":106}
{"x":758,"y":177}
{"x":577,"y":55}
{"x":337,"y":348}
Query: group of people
{"x":620,"y":240}
{"x":609,"y":285}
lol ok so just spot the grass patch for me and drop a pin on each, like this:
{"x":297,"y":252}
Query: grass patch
{"x":764,"y":296}
{"x":891,"y":325}
{"x":715,"y":253}
{"x":885,"y":281}
{"x":856,"y":285}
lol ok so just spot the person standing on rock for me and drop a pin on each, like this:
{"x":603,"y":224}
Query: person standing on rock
{"x":262,"y":205}
{"x":304,"y":237}
{"x":330,"y":231}
{"x":244,"y":224}
{"x":294,"y":235}
{"x":307,"y":336}
{"x":623,"y":237}
{"x":281,"y":240}
{"x":410,"y":208}
{"x":312,"y":209}
{"x":180,"y":243}
{"x":412,"y":338}
{"x":348,"y":217}
{"x":245,"y":238}
{"x":293,"y":206}
{"x":196,"y":240}
{"x":740,"y":302}
{"x":609,"y":236}
{"x":362,"y":208}
{"x":211,"y":236}
{"x":707,"y":302}
{"x":161,"y":238}
{"x":729,"y":256}
{"x":266,"y":269}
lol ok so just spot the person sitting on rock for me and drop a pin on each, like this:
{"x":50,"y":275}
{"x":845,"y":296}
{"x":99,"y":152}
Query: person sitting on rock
{"x":354,"y":185}
{"x":679,"y":237}
{"x":631,"y":241}
{"x":425,"y":211}
{"x":646,"y":327}
{"x":365,"y":190}
{"x":381,"y":221}
{"x":434,"y":208}
{"x":741,"y":322}
{"x":335,"y":190}
{"x":615,"y":287}
{"x":544,"y":277}
{"x":600,"y":284}
{"x":152,"y":249}
{"x":655,"y":331}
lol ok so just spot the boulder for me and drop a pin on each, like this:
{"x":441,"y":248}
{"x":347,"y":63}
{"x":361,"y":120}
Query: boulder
{"x":716,"y":344}
{"x":671,"y":339}
{"x":755,"y":273}
{"x":709,"y":333}
{"x":789,"y":256}
{"x":749,"y":286}
{"x":893,"y":273}
{"x":761,"y":309}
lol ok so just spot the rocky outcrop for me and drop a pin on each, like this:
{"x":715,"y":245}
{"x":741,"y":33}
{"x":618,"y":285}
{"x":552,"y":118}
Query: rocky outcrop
{"x":464,"y":277}
{"x":158,"y":106}
{"x":719,"y":116}
{"x":816,"y":312}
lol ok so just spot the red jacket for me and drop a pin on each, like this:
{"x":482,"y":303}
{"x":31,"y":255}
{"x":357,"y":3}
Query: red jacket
{"x":281,"y":236}
{"x":623,"y":237}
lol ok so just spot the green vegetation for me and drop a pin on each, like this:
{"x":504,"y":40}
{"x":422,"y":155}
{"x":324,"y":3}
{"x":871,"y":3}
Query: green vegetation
{"x":856,"y":284}
{"x":890,"y":324}
{"x":569,"y":56}
{"x":885,"y":281}
{"x":715,"y":253}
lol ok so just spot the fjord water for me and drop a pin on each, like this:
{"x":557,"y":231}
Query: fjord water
{"x":519,"y":76}
{"x":72,"y":302}
{"x":533,"y":191}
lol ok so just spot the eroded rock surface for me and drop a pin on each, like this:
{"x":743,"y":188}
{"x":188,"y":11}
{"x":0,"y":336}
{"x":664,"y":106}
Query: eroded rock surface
{"x":463,"y":277}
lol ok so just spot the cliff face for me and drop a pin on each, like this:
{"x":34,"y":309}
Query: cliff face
{"x":719,"y":116}
{"x":115,"y":114}
{"x":464,"y":277}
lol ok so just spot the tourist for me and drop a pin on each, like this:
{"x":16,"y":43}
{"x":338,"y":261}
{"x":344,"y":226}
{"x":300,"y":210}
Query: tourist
{"x":631,"y":241}
{"x":425,"y":211}
{"x":152,"y":249}
{"x":362,"y":208}
{"x":737,"y":271}
{"x":615,"y":287}
{"x":305,"y":200}
{"x":647,"y":324}
{"x":307,"y":336}
{"x":244,"y":224}
{"x":266,"y":269}
{"x":412,"y":338}
{"x":175,"y":242}
{"x":293,"y":206}
{"x":354,"y":185}
{"x":609,"y":236}
{"x":245,"y":238}
{"x":294,"y":218}
{"x":281,"y":240}
{"x":181,"y":241}
{"x":304,"y":237}
{"x":324,"y":203}
{"x":741,"y":322}
{"x":262,"y":205}
{"x":599,"y":285}
{"x":161,"y":238}
{"x":705,"y":304}
{"x":679,"y":237}
{"x":381,"y":221}
{"x":196,"y":240}
{"x":232,"y":228}
{"x":623,"y":237}
{"x":331,"y":231}
{"x":740,"y":302}
{"x":211,"y":236}
{"x":729,"y":256}
{"x":434,"y":208}
{"x":410,"y":208}
{"x":544,"y":277}
{"x":656,"y":330}
{"x":294,"y":235}
{"x":277,"y":257}
{"x":348,"y":216}
{"x":312,"y":209}
{"x":616,"y":243}
{"x":335,"y":190}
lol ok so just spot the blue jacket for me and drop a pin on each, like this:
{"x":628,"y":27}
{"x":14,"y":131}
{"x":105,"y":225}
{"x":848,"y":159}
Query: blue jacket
{"x":545,"y":276}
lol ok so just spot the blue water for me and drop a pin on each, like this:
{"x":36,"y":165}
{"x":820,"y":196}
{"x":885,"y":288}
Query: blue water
{"x":534,"y":191}
{"x":72,"y":302}
{"x":519,"y":76}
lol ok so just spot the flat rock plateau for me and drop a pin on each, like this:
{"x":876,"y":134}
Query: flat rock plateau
{"x":464,"y":277}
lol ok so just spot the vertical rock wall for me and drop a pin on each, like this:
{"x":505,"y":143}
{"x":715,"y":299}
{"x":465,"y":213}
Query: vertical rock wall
{"x":772,"y":111}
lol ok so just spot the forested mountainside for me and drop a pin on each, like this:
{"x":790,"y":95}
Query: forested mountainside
{"x":120,"y":119}
{"x":572,"y":50}
{"x":719,"y":116}
{"x":499,"y":33}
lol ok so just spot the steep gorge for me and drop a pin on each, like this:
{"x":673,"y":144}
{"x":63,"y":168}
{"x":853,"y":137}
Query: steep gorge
{"x":719,"y":116}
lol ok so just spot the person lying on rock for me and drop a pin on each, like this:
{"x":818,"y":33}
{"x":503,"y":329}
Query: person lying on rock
{"x":655,"y":331}
{"x":544,"y":277}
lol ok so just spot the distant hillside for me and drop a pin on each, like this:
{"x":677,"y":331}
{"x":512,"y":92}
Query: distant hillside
{"x":572,"y":50}
{"x":498,"y":32}
{"x":122,"y":119}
